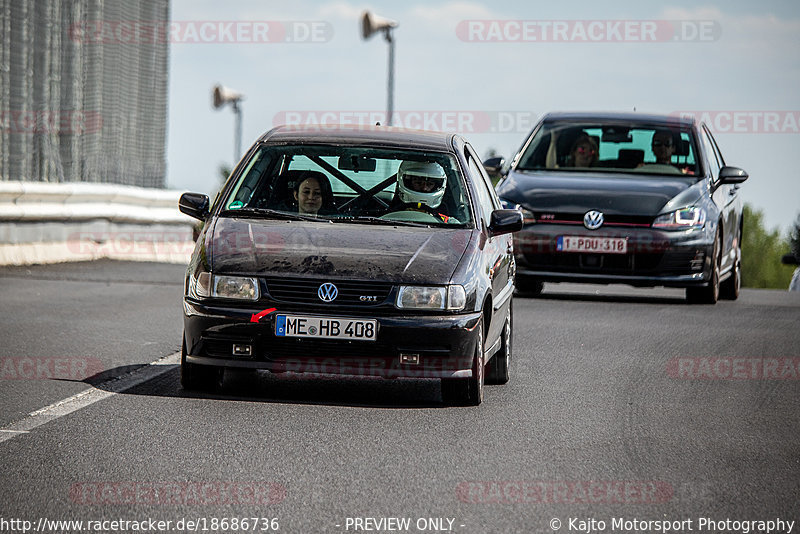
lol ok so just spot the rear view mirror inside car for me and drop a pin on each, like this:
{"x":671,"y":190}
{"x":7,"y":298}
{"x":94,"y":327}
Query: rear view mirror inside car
{"x":357,"y":163}
{"x":616,"y":134}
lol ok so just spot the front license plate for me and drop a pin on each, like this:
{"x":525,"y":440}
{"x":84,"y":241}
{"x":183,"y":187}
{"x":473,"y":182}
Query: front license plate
{"x":600,"y":245}
{"x":326,"y":327}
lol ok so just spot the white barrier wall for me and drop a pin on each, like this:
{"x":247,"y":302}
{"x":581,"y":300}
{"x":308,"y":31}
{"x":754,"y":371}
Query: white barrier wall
{"x":48,"y":223}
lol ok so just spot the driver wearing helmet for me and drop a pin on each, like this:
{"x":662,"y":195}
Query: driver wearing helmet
{"x":421,"y":186}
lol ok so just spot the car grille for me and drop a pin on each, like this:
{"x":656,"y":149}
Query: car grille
{"x":577,"y":219}
{"x":331,"y":353}
{"x":622,"y":264}
{"x":277,"y":349}
{"x":350,"y":292}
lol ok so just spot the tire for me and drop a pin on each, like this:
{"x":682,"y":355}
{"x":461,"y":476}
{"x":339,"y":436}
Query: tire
{"x":729,"y":289}
{"x":710,"y":293}
{"x":529,"y":286}
{"x":199,"y":377}
{"x":467,"y":391}
{"x":497,"y":371}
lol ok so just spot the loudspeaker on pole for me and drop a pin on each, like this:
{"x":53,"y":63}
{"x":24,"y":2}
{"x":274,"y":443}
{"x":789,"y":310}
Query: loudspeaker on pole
{"x":371,"y":23}
{"x":223,"y":95}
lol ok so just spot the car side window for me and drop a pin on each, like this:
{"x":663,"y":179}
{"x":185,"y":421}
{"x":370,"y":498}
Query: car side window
{"x":711,"y":155}
{"x":484,"y":196}
{"x":486,"y":180}
{"x":717,"y":151}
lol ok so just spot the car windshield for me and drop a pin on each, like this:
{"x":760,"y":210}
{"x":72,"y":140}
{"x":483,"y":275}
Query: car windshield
{"x":351,"y":184}
{"x":612,"y":147}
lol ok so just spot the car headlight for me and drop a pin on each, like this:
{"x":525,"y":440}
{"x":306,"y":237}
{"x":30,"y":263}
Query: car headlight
{"x":205,"y":285}
{"x":508,"y":205}
{"x":234,"y":287}
{"x":452,"y":297}
{"x":683,"y":219}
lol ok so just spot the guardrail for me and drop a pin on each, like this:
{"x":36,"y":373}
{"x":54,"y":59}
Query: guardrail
{"x":48,"y":223}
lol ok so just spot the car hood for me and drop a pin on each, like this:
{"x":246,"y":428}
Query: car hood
{"x":614,"y":194}
{"x":336,"y":250}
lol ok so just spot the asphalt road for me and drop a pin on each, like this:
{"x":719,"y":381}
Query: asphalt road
{"x":623,"y":403}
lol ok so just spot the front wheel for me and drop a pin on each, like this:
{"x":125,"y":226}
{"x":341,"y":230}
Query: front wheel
{"x":710,"y":293}
{"x":499,"y":365}
{"x":467,"y":391}
{"x":729,"y":289}
{"x":198,"y":377}
{"x":528,"y":286}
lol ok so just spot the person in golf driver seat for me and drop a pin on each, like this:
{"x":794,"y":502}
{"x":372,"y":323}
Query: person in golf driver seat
{"x":421,"y":186}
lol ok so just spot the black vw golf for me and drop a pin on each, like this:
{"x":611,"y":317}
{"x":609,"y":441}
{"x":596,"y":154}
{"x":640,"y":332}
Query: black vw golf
{"x":362,"y":251}
{"x":644,"y":200}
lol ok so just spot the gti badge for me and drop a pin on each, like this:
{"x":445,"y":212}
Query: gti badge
{"x":593,"y":219}
{"x":327,"y":292}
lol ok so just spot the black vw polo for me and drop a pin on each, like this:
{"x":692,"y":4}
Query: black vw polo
{"x":362,"y":251}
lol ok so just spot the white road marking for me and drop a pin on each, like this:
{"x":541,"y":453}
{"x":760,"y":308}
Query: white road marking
{"x":90,"y":396}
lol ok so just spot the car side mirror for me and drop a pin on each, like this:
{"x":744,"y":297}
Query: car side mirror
{"x":494,"y":166}
{"x":790,"y":259}
{"x":732,"y":175}
{"x":505,"y":222}
{"x":194,"y":205}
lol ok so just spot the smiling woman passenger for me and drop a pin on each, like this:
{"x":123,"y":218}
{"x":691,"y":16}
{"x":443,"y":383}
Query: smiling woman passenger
{"x":308,"y":195}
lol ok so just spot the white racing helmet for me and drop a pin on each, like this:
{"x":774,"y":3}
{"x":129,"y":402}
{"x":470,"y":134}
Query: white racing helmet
{"x":421,"y":182}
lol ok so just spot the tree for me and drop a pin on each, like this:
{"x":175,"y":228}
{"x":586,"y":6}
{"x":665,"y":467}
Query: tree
{"x":794,"y":238}
{"x":762,"y":250}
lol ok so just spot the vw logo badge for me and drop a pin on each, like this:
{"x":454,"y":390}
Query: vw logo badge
{"x":593,"y":219}
{"x":327,"y":292}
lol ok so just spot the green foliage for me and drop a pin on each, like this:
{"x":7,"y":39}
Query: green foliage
{"x":794,"y":238}
{"x":762,"y":250}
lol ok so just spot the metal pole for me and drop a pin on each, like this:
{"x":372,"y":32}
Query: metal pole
{"x":390,"y":103}
{"x":237,"y":149}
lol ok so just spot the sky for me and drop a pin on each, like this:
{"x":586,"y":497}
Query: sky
{"x":489,"y":71}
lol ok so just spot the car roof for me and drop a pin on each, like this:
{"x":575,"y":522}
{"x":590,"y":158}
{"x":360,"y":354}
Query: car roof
{"x":613,"y":116}
{"x":359,"y":135}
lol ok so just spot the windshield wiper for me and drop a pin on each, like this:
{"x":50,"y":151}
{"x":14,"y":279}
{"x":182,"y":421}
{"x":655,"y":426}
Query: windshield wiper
{"x":368,"y":219}
{"x":270,"y":213}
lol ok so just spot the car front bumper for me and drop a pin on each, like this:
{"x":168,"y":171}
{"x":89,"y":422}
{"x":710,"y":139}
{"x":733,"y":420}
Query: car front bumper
{"x":413,"y":346}
{"x":653,"y":257}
